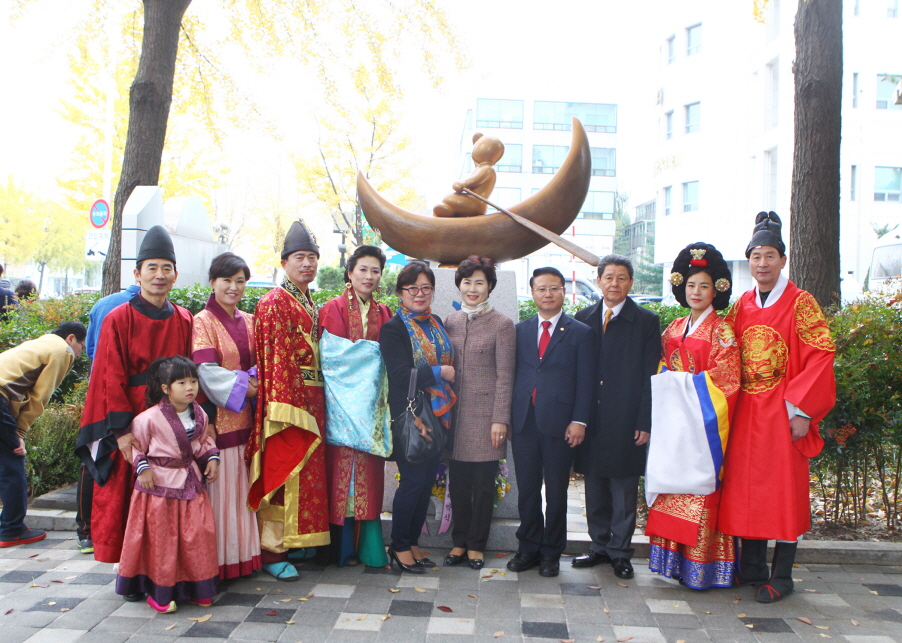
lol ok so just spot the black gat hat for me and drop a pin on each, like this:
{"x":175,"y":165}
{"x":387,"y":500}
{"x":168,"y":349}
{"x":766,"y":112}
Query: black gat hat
{"x":299,"y":239}
{"x":767,"y":232}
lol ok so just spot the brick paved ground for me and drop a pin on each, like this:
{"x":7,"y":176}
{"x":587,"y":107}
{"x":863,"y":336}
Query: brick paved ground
{"x":50,"y":592}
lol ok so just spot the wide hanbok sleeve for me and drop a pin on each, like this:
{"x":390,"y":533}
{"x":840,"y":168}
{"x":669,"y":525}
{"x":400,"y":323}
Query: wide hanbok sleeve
{"x":724,"y":361}
{"x":225,"y":388}
{"x":812,"y":387}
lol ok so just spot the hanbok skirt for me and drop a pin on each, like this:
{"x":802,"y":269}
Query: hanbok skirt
{"x":237,"y":535}
{"x":169,"y":550}
{"x":684,"y":541}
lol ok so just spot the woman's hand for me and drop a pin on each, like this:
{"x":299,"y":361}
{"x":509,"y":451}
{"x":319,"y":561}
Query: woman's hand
{"x":146,"y":479}
{"x":20,"y":450}
{"x":447,"y":373}
{"x":251,"y":387}
{"x":212,"y":470}
{"x":499,"y":434}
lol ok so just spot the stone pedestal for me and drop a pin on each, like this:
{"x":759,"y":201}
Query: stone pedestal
{"x":506,"y":520}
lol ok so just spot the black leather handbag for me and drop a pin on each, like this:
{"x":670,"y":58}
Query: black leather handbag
{"x":409,"y":441}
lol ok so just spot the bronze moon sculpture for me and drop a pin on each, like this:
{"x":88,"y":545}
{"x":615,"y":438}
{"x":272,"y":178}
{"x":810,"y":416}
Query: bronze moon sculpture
{"x":451,"y":240}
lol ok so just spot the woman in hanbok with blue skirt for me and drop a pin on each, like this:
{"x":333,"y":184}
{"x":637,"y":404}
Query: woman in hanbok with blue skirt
{"x":357,"y":434}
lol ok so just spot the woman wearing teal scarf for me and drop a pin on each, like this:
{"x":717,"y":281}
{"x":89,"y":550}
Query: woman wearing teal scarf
{"x":415,"y":338}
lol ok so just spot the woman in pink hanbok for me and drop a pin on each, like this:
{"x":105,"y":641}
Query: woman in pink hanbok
{"x":223,"y":349}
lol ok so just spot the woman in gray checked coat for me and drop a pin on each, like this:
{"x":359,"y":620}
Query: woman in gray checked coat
{"x":485,"y":349}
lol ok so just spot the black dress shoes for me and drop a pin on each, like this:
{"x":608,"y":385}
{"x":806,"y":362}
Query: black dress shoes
{"x":425,"y":562}
{"x":476,"y":563}
{"x":623,"y":568}
{"x":549,"y":567}
{"x":591,"y":559}
{"x":522,"y":562}
{"x":454,"y":559}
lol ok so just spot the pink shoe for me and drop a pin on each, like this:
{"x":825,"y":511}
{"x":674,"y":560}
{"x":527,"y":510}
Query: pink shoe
{"x":162,"y":609}
{"x":203,"y":602}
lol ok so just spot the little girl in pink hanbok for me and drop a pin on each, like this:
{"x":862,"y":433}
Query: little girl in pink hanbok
{"x":169,"y":551}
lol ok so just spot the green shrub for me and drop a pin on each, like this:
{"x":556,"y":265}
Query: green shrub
{"x":51,"y":461}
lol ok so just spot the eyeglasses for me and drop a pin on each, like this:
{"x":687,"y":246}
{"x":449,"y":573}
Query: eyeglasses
{"x":552,"y":289}
{"x":413,"y":290}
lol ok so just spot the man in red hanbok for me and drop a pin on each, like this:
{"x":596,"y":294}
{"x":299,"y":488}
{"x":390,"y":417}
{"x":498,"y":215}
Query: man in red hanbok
{"x":133,"y":335}
{"x":286,"y":452}
{"x":787,"y":387}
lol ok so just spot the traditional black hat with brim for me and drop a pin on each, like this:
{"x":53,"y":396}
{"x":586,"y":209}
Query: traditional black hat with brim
{"x":768,"y":232}
{"x":299,"y":239}
{"x":157,"y":244}
{"x":702,"y":257}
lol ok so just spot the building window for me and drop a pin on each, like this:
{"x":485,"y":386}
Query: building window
{"x":772,"y":95}
{"x":546,"y":159}
{"x":670,"y":49}
{"x":512,"y":161}
{"x":693,"y":114}
{"x":595,"y":117}
{"x":886,"y":91}
{"x":506,"y":197}
{"x":690,"y":196}
{"x":892,"y":8}
{"x":887,"y":183}
{"x":668,"y":124}
{"x":853,"y":192}
{"x":604,"y":161}
{"x":667,"y":191}
{"x":772,"y":21}
{"x":855,"y":90}
{"x":598,"y":205}
{"x":693,"y":39}
{"x":770,"y":178}
{"x":500,"y":113}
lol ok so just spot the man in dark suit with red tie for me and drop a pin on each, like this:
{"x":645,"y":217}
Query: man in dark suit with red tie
{"x":551,"y":408}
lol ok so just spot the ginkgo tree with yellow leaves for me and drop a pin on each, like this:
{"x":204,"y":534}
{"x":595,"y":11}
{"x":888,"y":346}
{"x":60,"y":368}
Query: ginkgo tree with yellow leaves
{"x":322,"y":35}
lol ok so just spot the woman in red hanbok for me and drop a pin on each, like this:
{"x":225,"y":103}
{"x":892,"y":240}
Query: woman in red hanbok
{"x":223,"y":348}
{"x":684,"y":541}
{"x":355,"y":478}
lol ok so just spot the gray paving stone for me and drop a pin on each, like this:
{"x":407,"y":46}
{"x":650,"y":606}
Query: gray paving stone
{"x":121,"y":624}
{"x":211,"y":629}
{"x":256,"y":631}
{"x":17,"y":633}
{"x":545,"y":630}
{"x":678,"y":621}
{"x":93,"y":578}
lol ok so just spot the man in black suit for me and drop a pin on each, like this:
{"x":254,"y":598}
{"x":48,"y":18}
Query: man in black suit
{"x":628,"y":352}
{"x":551,"y":407}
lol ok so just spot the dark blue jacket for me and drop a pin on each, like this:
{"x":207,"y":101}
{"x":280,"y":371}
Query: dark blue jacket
{"x":563,"y":379}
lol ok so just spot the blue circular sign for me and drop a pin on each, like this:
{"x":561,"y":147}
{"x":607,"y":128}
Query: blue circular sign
{"x":100,"y":213}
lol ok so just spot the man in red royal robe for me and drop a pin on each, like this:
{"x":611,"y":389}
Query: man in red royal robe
{"x":286,"y":452}
{"x":133,"y":335}
{"x":787,"y":387}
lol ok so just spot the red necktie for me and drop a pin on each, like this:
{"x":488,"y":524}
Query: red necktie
{"x":543,"y":344}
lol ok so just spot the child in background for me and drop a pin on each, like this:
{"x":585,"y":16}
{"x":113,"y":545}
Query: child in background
{"x":169,"y":551}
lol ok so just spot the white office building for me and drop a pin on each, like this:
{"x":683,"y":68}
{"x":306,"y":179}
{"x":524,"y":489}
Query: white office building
{"x":725,"y":127}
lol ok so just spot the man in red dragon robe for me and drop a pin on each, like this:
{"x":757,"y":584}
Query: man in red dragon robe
{"x":133,"y":335}
{"x":286,"y":453}
{"x":787,"y":387}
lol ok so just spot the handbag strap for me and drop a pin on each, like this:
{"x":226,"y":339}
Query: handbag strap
{"x":412,"y":387}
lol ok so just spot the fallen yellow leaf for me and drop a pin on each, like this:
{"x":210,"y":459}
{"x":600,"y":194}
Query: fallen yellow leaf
{"x":386,"y":617}
{"x":169,"y":627}
{"x":52,"y":603}
{"x":600,"y":639}
{"x":750,"y":626}
{"x":201,"y":619}
{"x":822,"y":627}
{"x":623,"y":585}
{"x":498,"y":635}
{"x":607,"y":611}
{"x":854,"y":622}
{"x":804,"y":619}
{"x":285,"y":600}
{"x":362,"y":617}
{"x":64,"y":609}
{"x":472,"y":595}
{"x":741,"y":615}
{"x":624,"y":639}
{"x":826,"y":636}
{"x":420,"y":589}
{"x":393,"y":590}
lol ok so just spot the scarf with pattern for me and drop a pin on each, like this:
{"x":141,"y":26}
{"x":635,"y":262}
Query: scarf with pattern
{"x":304,"y":301}
{"x":431,"y":348}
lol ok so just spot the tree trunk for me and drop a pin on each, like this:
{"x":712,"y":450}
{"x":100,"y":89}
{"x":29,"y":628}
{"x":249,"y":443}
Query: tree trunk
{"x":814,"y":208}
{"x":149,"y":99}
